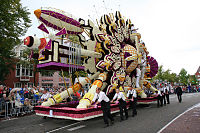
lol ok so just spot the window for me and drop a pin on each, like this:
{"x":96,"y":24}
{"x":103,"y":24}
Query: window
{"x":17,"y":70}
{"x":47,"y":73}
{"x":21,"y":53}
{"x":47,"y":85}
{"x":30,"y":84}
{"x":31,"y":70}
{"x":27,"y":72}
{"x":18,"y":85}
{"x":24,"y":70}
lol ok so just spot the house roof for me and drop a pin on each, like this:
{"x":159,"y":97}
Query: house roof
{"x":198,"y":70}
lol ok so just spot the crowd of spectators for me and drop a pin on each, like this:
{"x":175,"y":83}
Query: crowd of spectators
{"x":26,"y":98}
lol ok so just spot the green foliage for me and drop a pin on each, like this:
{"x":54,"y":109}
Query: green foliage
{"x":159,"y":75}
{"x":174,"y":78}
{"x":167,"y":75}
{"x":27,"y":61}
{"x":47,"y":72}
{"x":73,"y":75}
{"x":74,"y":38}
{"x":14,"y":22}
{"x":171,"y":77}
{"x":65,"y":73}
{"x":193,"y":80}
{"x":183,"y":76}
{"x":82,"y":74}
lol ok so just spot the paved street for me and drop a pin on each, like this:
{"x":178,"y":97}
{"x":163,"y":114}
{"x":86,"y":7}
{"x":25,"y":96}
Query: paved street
{"x":149,"y":120}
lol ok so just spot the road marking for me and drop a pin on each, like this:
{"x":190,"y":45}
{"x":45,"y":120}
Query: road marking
{"x":63,"y":127}
{"x":194,"y":106}
{"x":10,"y":119}
{"x":75,"y":128}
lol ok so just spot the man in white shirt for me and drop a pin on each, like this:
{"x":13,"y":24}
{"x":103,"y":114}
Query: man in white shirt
{"x":45,"y":96}
{"x":138,"y":75}
{"x":158,"y":96}
{"x":101,"y":97}
{"x":166,"y":90}
{"x":132,"y":96}
{"x":119,"y":97}
{"x":162,"y":90}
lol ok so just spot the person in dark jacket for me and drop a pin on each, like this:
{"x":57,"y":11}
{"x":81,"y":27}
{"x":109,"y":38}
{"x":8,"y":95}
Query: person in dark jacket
{"x":179,"y":93}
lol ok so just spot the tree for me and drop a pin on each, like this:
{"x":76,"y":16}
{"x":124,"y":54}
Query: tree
{"x":74,"y":39}
{"x":174,"y":78}
{"x":73,"y":75}
{"x":26,"y":60}
{"x":167,"y":75}
{"x":14,"y":23}
{"x":193,"y":80}
{"x":159,"y":75}
{"x":183,"y":76}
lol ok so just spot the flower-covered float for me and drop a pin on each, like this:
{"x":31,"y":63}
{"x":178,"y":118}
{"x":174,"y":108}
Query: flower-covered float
{"x":110,"y":55}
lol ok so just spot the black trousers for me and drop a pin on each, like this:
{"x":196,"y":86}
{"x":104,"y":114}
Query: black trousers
{"x":133,"y":105}
{"x":167,"y":97}
{"x":105,"y":106}
{"x":122,"y":107}
{"x":179,"y":98}
{"x":159,"y":101}
{"x":163,"y":98}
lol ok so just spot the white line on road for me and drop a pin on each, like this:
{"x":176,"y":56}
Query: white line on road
{"x":75,"y":128}
{"x":63,"y":127}
{"x":196,"y":105}
{"x":10,"y":119}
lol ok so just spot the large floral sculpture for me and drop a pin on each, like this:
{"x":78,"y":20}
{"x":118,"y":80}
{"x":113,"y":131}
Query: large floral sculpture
{"x":111,"y":54}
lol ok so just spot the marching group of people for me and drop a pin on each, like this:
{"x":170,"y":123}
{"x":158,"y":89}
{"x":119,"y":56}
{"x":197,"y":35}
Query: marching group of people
{"x":119,"y":98}
{"x":163,"y":94}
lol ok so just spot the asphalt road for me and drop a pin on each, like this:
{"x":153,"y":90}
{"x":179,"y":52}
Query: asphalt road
{"x":149,"y":120}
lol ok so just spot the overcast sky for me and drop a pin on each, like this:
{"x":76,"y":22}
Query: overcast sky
{"x":169,"y":28}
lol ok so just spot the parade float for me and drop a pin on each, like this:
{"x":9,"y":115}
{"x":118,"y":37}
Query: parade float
{"x":109,"y":51}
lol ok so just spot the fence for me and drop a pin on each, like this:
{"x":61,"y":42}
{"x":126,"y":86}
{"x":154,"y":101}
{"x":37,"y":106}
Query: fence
{"x":16,"y":108}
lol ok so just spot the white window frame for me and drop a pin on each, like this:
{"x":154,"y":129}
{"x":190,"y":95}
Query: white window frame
{"x":30,"y":83}
{"x":18,"y":83}
{"x":26,"y":68}
{"x":19,"y":70}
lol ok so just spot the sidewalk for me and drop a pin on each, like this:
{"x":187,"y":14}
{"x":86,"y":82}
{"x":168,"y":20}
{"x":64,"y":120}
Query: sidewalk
{"x":187,"y":122}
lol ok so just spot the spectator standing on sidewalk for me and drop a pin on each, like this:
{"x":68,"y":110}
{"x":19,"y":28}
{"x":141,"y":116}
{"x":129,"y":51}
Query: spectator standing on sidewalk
{"x":26,"y":91}
{"x":179,"y":93}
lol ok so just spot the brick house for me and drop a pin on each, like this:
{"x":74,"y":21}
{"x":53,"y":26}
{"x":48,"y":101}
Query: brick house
{"x":21,"y":75}
{"x":197,"y":74}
